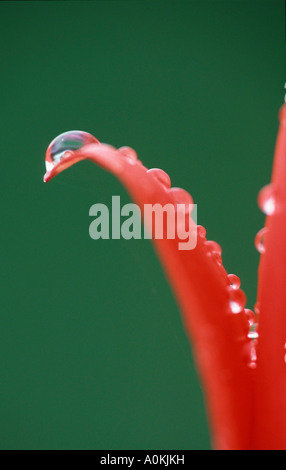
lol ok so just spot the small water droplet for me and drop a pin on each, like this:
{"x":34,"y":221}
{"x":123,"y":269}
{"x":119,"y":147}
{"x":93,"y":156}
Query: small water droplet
{"x":253,"y":355}
{"x":64,"y":143}
{"x":128,"y":152}
{"x":253,"y":331}
{"x":234,"y":281}
{"x":214,"y":250}
{"x":257,"y":308}
{"x":259,"y":240}
{"x":250,"y":354}
{"x":250,"y":316}
{"x":201,"y":231}
{"x":217,"y":258}
{"x":266,"y":200}
{"x":180,"y":196}
{"x":253,"y":364}
{"x":160,"y":176}
{"x":213,"y":247}
{"x":237,"y":300}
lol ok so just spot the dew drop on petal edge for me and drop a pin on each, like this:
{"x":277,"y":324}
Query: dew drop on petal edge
{"x":213,"y":247}
{"x":68,"y":141}
{"x":250,"y":316}
{"x":161,"y":176}
{"x":128,"y":152}
{"x":234,"y":281}
{"x":259,"y":240}
{"x":253,"y":356}
{"x":201,"y":231}
{"x":237,"y":300}
{"x":266,"y":200}
{"x":257,"y":308}
{"x":253,"y":332}
{"x":181,"y":196}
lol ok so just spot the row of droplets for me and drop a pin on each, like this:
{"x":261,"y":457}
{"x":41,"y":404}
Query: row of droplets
{"x":267,"y":203}
{"x":237,"y":299}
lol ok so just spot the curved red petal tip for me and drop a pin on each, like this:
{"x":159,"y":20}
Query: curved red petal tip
{"x":212,"y":305}
{"x":71,"y":147}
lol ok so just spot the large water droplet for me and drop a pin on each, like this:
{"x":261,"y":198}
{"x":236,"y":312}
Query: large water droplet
{"x":237,"y":300}
{"x":259,"y":240}
{"x":266,"y":200}
{"x":68,"y":141}
{"x":234,"y":281}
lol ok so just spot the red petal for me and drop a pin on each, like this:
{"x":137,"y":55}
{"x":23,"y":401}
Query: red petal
{"x":270,"y":399}
{"x":202,"y":288}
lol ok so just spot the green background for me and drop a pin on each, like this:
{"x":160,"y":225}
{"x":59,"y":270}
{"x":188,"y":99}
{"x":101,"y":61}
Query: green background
{"x":92,"y":346}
